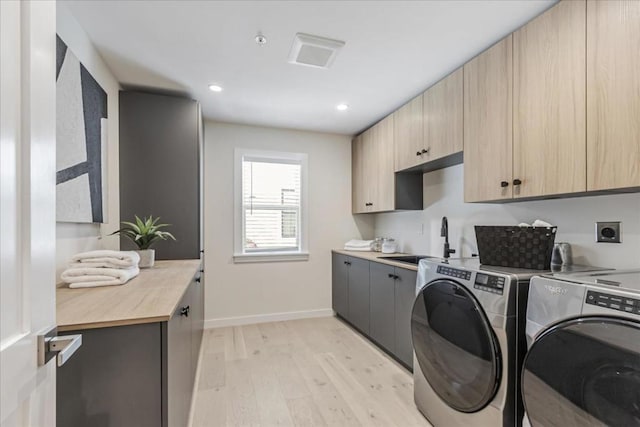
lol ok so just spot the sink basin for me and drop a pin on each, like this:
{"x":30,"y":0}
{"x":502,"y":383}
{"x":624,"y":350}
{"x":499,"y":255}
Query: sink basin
{"x":409,"y":259}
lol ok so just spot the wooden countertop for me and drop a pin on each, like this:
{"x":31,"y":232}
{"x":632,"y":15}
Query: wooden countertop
{"x":379,"y":257}
{"x":150,"y":297}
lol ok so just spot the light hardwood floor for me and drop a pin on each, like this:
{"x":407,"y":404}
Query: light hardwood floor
{"x":311,"y":372}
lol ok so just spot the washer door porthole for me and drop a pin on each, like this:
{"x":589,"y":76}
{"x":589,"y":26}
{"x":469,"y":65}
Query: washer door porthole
{"x":455,"y":346}
{"x":587,"y":370}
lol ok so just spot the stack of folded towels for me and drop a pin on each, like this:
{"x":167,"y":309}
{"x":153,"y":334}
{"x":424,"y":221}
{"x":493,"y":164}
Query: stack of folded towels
{"x":358,"y":245}
{"x":101,"y":268}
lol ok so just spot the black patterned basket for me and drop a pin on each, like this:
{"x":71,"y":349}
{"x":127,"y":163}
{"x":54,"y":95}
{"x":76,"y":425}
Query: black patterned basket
{"x":514,"y":246}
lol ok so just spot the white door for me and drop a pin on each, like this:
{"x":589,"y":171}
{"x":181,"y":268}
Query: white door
{"x":27,"y":209}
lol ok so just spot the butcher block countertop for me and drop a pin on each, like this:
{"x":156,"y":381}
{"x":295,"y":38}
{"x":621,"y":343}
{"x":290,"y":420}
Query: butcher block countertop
{"x":378,"y":257}
{"x":152,"y":296}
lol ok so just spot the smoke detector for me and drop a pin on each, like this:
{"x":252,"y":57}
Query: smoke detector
{"x":314,"y":51}
{"x":260,"y":39}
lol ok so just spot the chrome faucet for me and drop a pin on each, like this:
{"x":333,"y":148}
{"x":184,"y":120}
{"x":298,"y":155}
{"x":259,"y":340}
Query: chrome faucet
{"x":444,"y":232}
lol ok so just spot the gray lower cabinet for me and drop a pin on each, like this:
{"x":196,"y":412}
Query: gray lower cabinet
{"x":134,"y":375}
{"x":113,"y":379}
{"x":359,"y":294}
{"x":405,"y":294}
{"x":377,"y":299}
{"x":197,"y":327}
{"x":177,"y":366}
{"x":382,"y":309}
{"x":340,"y":284}
{"x":350,"y":289}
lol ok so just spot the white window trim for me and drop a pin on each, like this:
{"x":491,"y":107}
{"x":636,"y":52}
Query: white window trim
{"x":276,"y":256}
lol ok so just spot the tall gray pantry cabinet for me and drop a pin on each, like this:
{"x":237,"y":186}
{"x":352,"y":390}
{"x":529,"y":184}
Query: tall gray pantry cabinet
{"x":161,"y":139}
{"x":143,"y":375}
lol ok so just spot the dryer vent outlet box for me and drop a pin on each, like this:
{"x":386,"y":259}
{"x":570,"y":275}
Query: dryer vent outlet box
{"x":314,"y":51}
{"x":608,"y":232}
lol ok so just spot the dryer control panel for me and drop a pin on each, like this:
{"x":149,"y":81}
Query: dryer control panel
{"x":487,"y":283}
{"x":615,"y":302}
{"x":454,"y":272}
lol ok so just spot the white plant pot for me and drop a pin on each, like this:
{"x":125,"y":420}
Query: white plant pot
{"x":147,"y":258}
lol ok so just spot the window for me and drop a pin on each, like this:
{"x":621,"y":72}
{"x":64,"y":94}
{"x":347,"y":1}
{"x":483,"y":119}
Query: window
{"x":270,"y":214}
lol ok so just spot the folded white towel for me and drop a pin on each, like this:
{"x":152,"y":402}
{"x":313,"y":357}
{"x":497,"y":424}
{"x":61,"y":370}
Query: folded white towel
{"x":91,"y":277}
{"x":358,"y":244}
{"x":354,"y":249}
{"x":106,"y":258}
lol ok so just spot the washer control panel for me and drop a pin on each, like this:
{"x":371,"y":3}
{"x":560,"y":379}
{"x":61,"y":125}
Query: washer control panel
{"x":454,"y":272}
{"x":493,"y":284}
{"x":615,"y":302}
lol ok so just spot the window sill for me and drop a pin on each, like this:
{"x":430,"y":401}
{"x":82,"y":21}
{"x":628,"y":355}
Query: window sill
{"x":271,"y":257}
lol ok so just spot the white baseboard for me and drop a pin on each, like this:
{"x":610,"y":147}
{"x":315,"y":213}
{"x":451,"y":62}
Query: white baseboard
{"x":264,"y":318}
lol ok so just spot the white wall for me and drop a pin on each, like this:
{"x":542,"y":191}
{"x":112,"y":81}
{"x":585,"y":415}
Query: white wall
{"x":73,"y":238}
{"x":419,"y":231}
{"x":259,"y":291}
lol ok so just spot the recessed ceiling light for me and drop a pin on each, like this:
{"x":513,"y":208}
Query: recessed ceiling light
{"x":215,"y":88}
{"x":342,"y":107}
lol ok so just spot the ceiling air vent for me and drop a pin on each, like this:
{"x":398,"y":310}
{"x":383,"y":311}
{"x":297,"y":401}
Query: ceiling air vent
{"x":314,"y":51}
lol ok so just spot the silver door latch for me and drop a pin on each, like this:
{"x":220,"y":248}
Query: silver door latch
{"x":50,"y":345}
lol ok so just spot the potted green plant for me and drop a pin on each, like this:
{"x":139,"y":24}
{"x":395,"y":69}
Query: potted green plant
{"x":144,"y":233}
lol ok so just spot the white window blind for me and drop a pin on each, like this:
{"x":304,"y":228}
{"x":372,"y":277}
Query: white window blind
{"x":271,"y":205}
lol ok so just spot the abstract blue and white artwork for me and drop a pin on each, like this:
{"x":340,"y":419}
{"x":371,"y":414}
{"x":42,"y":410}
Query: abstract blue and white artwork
{"x":81,"y":141}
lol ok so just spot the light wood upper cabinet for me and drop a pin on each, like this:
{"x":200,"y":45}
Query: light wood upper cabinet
{"x":488,"y":141}
{"x":613,"y":94}
{"x":384,"y":197}
{"x":359,"y":191}
{"x":429,"y":127}
{"x":552,"y":109}
{"x":442,"y":117}
{"x":373,"y":179}
{"x":550,"y":102}
{"x":408,"y":134}
{"x":369,"y":165}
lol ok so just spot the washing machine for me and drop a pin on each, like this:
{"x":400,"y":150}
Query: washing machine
{"x":583,"y":364}
{"x":467,"y":327}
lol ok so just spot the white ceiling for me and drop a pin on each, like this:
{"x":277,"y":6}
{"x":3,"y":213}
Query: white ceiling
{"x":393,"y":51}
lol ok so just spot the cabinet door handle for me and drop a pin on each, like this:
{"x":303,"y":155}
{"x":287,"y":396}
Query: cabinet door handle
{"x":184,"y":311}
{"x":517,"y":182}
{"x":391,"y":276}
{"x":504,"y":184}
{"x":198,"y":280}
{"x":425,"y":151}
{"x":396,"y":277}
{"x":418,"y":153}
{"x":347,"y":263}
